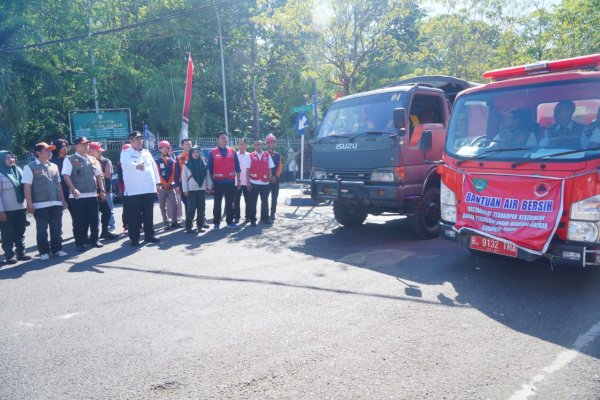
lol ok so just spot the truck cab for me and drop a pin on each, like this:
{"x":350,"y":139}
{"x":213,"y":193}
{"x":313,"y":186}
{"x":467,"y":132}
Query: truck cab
{"x":521,"y":164}
{"x":367,"y":154}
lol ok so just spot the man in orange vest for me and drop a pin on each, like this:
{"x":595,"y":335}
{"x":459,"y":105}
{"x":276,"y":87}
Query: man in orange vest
{"x":166,"y":193}
{"x":258,"y":178}
{"x":224,"y":169}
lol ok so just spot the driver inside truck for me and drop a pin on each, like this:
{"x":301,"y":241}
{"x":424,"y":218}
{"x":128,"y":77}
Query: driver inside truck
{"x":515,"y":129}
{"x":565,"y":133}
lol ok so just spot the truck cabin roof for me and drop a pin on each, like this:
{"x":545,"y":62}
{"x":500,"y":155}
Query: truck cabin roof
{"x":450,"y":85}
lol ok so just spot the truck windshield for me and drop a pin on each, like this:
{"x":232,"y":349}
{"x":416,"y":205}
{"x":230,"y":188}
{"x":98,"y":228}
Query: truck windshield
{"x":549,"y":122}
{"x":371,"y":113}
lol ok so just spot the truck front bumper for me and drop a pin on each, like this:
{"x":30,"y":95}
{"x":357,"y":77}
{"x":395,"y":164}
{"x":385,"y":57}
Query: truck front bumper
{"x":356,"y":192}
{"x":570,"y":253}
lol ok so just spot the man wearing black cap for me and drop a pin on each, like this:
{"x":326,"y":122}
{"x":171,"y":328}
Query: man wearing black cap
{"x":141,"y":178}
{"x":61,"y":149}
{"x":45,"y":200}
{"x":85,"y":179}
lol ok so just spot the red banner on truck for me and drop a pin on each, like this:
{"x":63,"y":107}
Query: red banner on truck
{"x":523,"y":210}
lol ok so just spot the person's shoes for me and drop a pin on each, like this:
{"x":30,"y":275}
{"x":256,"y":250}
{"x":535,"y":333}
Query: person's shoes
{"x":175,"y":225}
{"x":109,"y":236}
{"x":236,"y":220}
{"x":152,"y":239}
{"x":217,"y":227}
{"x":232,"y":225}
{"x":11,"y":260}
{"x":252,"y":223}
{"x":201,"y":230}
{"x":206,"y":226}
{"x":44,"y":257}
{"x":80,"y":248}
{"x":135,"y":243}
{"x":97,"y":245}
{"x":189,"y":230}
{"x":168,"y":227}
{"x":272,"y":217}
{"x":61,"y":253}
{"x":23,"y":257}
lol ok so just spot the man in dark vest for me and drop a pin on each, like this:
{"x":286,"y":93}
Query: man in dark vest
{"x":85,"y":179}
{"x":105,"y":206}
{"x":271,"y":141}
{"x":45,"y":200}
{"x":224,"y":168}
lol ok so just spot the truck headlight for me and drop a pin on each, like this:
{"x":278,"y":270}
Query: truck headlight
{"x":319,"y":173}
{"x":586,"y":210}
{"x":388,"y":175}
{"x":582,"y":231}
{"x":448,"y":203}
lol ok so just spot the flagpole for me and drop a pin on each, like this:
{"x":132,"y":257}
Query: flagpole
{"x":187,"y":99}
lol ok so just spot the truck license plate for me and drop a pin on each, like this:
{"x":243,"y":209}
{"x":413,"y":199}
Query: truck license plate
{"x":493,"y":246}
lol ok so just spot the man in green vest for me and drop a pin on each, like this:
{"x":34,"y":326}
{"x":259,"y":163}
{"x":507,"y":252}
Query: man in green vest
{"x":85,"y":179}
{"x":45,"y":200}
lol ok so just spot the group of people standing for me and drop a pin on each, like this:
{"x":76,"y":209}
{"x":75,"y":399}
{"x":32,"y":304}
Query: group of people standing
{"x":81,"y":183}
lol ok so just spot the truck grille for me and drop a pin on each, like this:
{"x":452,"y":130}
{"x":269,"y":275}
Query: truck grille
{"x":362,"y":175}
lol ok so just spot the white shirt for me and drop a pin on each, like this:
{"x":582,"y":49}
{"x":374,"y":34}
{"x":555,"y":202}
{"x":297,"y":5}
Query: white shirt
{"x":271,"y":165}
{"x":137,"y":181}
{"x":68,"y":170}
{"x":244,"y":160}
{"x":28,"y":179}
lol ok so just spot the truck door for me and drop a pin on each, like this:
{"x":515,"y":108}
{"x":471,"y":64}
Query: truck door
{"x":426,"y":112}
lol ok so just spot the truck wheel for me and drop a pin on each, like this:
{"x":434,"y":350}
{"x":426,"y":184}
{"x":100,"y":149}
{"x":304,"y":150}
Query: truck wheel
{"x":349,"y":215}
{"x":426,"y":218}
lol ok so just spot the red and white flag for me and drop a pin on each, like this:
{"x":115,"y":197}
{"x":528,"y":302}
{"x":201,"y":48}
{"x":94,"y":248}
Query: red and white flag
{"x":187,"y":99}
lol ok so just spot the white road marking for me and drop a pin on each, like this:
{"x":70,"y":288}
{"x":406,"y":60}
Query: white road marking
{"x":67,"y":316}
{"x":561,"y":361}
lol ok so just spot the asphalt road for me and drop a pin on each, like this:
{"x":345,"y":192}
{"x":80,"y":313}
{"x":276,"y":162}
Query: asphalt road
{"x":304,"y":309}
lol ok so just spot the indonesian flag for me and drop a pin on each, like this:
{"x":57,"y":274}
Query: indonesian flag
{"x":187,"y":99}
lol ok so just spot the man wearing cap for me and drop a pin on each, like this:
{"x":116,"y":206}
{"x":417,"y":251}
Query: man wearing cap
{"x":85,"y":179}
{"x":224,"y":169}
{"x":167,"y":198}
{"x":275,"y":172}
{"x":45,"y":200}
{"x":105,"y":206}
{"x":141,"y":180}
{"x":61,"y":149}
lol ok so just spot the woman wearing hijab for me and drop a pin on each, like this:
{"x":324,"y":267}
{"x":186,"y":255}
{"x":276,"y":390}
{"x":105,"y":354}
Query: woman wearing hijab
{"x":12,"y":209}
{"x":195,"y":181}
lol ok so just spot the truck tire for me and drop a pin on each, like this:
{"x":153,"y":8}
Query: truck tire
{"x":425,"y":219}
{"x":349,"y":216}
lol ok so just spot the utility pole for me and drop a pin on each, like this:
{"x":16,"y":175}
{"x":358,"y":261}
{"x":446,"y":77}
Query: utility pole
{"x":222,"y":69}
{"x":94,"y":86}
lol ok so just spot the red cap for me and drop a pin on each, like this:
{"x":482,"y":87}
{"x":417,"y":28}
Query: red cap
{"x":164,"y":143}
{"x":96,"y":146}
{"x":270,"y":138}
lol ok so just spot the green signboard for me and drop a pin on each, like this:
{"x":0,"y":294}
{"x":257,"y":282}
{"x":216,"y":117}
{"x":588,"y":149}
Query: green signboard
{"x":102,"y":125}
{"x":308,"y":107}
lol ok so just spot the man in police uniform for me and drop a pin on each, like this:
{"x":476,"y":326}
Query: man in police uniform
{"x":140,"y":175}
{"x":85,"y":179}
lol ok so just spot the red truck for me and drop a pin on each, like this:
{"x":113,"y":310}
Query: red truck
{"x":520,"y":169}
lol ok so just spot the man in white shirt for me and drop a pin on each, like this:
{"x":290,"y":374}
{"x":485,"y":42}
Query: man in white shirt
{"x":141,"y":179}
{"x":259,"y":175}
{"x":244,"y":159}
{"x":45,"y":200}
{"x":84,"y":177}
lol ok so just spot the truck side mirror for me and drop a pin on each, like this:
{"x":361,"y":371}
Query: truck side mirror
{"x":400,"y":120}
{"x":426,"y":141}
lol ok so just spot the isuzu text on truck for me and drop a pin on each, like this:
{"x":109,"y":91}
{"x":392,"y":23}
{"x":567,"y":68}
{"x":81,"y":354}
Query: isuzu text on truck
{"x":366,"y":156}
{"x":521,"y":164}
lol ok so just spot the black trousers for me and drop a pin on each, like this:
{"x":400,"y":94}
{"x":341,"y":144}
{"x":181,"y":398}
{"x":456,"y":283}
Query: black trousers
{"x":223,"y":190}
{"x":140,"y":209}
{"x":274,"y":189}
{"x":13,"y":233}
{"x":195,"y":207}
{"x":237,"y":212}
{"x":263,"y":192}
{"x":44,"y":218}
{"x":105,"y":213}
{"x":86,"y":217}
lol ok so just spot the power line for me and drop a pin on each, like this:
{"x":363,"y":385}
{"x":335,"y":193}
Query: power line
{"x":179,"y":14}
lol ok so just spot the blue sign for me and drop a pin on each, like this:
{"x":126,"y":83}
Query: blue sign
{"x":146,"y":132}
{"x":302,"y":123}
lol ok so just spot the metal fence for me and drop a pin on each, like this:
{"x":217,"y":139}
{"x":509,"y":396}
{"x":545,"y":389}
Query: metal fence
{"x":152,"y":143}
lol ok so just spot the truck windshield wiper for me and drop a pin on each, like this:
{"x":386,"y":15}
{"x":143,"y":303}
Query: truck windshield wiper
{"x":333,"y":135}
{"x":562,"y":153}
{"x":492,"y":151}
